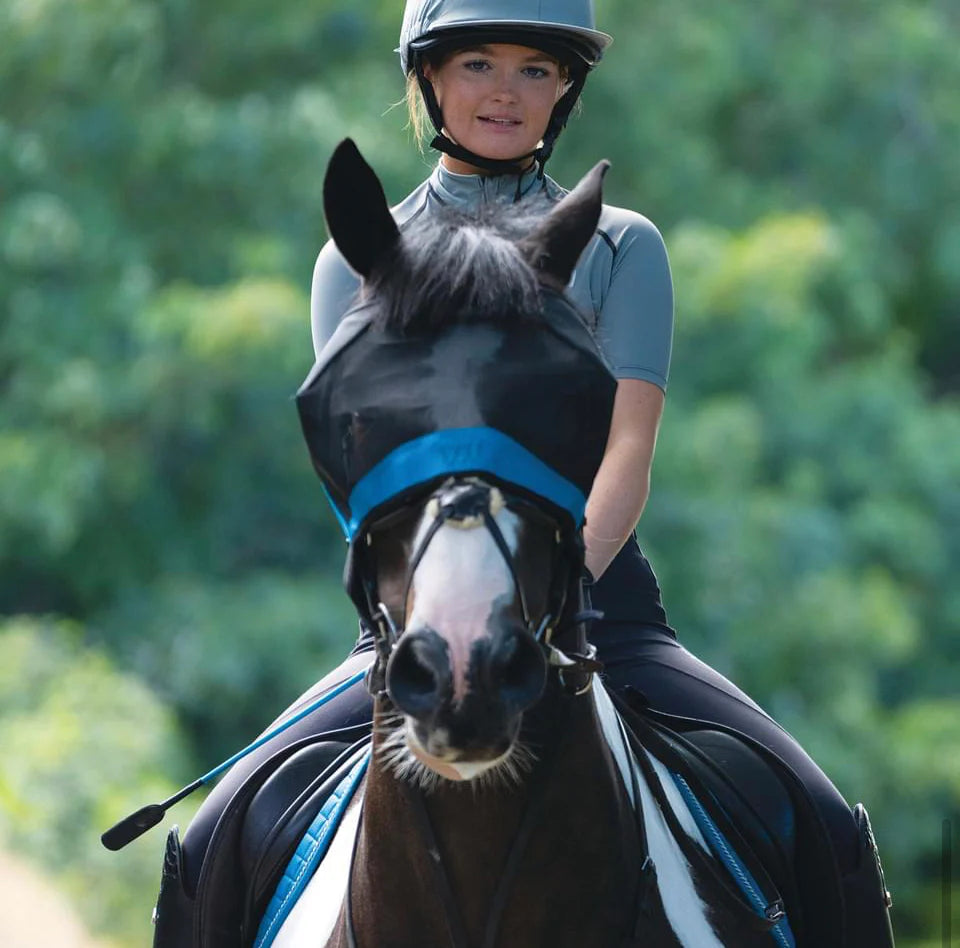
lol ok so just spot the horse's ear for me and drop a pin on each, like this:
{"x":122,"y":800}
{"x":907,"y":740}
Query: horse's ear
{"x":555,"y":245}
{"x":358,"y":216}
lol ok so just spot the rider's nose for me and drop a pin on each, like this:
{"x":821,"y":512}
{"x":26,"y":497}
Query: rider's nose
{"x":505,"y":89}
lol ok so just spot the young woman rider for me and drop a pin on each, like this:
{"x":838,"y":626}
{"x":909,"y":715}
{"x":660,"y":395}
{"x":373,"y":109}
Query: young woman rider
{"x":498,"y":79}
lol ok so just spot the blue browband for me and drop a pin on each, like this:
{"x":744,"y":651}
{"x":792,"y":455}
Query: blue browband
{"x":458,"y":451}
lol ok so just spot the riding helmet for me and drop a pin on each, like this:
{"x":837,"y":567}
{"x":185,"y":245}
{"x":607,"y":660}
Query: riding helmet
{"x":565,"y":29}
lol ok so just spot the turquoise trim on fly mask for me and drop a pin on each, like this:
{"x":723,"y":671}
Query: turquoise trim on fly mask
{"x":460,"y":451}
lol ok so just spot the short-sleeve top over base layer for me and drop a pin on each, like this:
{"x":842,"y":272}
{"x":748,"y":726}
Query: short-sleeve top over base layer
{"x":621,"y":283}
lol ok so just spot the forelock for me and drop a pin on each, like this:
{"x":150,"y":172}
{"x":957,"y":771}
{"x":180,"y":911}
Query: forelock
{"x":451,"y":267}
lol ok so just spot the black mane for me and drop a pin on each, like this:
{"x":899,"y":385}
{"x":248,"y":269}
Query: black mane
{"x":453,"y":267}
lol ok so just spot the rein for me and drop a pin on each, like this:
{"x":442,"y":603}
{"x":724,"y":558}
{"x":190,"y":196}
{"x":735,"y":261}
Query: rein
{"x":453,"y":917}
{"x":470,"y":502}
{"x":729,"y":899}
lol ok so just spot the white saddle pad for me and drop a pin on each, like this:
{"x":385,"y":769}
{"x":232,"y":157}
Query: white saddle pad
{"x":312,"y":919}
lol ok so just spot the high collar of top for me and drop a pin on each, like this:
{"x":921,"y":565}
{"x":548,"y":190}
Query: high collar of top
{"x":471,"y":190}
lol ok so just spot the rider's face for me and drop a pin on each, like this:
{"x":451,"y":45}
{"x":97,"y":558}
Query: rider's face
{"x":496,"y":99}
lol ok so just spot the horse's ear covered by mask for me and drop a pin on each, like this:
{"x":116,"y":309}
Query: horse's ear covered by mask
{"x":527,"y":402}
{"x":356,"y":209}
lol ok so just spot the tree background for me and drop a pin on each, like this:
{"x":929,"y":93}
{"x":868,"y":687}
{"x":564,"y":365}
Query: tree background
{"x":169,"y":575}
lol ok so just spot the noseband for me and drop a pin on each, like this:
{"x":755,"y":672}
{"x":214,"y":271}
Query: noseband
{"x":469,"y":503}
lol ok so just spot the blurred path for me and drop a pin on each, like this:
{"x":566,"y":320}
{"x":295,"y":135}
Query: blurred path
{"x":34,"y":913}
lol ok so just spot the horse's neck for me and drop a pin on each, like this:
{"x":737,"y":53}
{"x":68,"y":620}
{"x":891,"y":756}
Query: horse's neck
{"x":575,"y":857}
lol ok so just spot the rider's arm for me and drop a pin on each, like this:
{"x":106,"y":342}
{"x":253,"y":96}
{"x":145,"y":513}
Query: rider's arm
{"x":334,"y":287}
{"x":635,"y":330}
{"x":622,"y":484}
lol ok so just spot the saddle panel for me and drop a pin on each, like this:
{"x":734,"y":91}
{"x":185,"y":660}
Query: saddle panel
{"x":749,"y":793}
{"x":218,"y":919}
{"x":279,"y":815}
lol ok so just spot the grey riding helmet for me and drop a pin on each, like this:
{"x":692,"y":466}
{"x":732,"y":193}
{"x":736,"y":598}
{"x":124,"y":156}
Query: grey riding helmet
{"x":564,"y":29}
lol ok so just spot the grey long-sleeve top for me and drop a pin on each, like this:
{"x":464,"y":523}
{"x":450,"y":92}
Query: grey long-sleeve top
{"x":622,"y":280}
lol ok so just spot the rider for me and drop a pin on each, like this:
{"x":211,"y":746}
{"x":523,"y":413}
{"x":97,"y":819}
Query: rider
{"x":498,"y":80}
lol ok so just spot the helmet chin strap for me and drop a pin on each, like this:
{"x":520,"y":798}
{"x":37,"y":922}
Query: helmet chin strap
{"x":496,"y":165}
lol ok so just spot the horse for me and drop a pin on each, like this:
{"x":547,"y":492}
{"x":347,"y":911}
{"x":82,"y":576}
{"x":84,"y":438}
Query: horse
{"x":494,"y":811}
{"x":503,"y":797}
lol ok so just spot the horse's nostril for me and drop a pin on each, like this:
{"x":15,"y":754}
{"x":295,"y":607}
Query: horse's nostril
{"x":518,"y":669}
{"x":418,"y":673}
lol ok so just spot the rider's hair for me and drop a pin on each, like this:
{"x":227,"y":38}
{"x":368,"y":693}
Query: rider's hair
{"x":417,"y":112}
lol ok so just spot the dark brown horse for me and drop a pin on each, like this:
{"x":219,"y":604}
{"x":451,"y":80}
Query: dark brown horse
{"x":495,"y":813}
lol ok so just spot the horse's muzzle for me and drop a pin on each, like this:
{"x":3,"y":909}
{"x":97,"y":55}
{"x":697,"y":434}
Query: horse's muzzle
{"x":506,"y":675}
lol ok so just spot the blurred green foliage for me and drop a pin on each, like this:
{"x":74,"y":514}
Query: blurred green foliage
{"x":84,"y":743}
{"x":161,"y":164}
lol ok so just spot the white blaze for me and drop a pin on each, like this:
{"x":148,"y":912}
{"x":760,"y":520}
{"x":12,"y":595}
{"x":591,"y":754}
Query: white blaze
{"x":457,"y":584}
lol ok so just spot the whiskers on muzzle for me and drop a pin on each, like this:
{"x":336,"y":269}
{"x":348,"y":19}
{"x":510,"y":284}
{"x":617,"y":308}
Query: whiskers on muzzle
{"x":505,"y":772}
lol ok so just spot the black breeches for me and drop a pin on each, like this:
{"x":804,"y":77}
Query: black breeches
{"x":639,"y":651}
{"x":671,"y":679}
{"x":352,"y":707}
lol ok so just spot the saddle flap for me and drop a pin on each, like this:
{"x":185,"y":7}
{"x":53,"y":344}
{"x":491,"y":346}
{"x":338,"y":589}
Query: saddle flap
{"x":174,"y":909}
{"x":805,"y":853}
{"x":747,"y":792}
{"x":220,"y":894}
{"x":276,"y":806}
{"x":280,"y":814}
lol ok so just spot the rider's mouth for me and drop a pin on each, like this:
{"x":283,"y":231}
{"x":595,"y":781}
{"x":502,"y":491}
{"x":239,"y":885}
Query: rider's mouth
{"x":500,"y":122}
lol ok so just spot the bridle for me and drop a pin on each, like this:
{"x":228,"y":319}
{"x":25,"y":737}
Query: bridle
{"x":471,"y":502}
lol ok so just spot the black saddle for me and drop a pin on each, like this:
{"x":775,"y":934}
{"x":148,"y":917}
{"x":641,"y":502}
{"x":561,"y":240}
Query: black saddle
{"x":253,"y":842}
{"x":762,"y":808}
{"x":759,"y":805}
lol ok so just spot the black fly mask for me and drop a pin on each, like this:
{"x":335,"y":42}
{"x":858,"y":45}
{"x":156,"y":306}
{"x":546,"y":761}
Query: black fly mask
{"x":461,"y":356}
